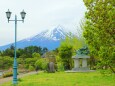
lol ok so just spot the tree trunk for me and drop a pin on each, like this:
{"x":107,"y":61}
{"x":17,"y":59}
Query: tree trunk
{"x":112,"y":69}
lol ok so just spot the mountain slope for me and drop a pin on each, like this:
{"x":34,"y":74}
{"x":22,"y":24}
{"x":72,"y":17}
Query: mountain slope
{"x":49,"y":38}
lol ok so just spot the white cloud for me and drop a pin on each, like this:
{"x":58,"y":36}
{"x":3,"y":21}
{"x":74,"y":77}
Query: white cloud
{"x":41,"y":15}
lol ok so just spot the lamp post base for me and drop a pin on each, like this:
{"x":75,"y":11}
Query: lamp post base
{"x":15,"y":81}
{"x":15,"y":72}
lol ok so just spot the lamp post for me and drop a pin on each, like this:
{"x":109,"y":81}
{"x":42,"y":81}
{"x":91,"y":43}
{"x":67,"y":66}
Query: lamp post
{"x":8,"y":15}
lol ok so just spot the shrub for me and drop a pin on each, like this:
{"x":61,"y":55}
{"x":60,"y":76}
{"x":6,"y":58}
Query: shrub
{"x":29,"y":61}
{"x":106,"y":72}
{"x":7,"y":74}
{"x":19,"y":80}
{"x":31,"y":68}
{"x":41,"y":64}
{"x":4,"y":60}
{"x":60,"y":67}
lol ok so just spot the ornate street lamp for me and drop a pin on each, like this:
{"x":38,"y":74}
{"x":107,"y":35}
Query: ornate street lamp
{"x":23,"y":15}
{"x":8,"y":15}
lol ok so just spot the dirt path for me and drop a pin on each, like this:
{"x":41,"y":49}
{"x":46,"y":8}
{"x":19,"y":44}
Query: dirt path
{"x":4,"y":80}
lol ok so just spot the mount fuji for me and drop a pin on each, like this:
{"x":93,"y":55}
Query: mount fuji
{"x":49,"y":39}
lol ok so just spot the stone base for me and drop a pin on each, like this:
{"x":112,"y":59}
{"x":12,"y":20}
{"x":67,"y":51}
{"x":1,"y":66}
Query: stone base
{"x":83,"y":69}
{"x":72,"y":71}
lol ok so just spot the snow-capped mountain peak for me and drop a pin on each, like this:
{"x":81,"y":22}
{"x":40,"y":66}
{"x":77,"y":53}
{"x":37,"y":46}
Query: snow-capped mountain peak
{"x":51,"y":34}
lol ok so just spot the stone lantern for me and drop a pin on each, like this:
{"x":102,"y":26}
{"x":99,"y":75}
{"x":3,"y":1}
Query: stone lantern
{"x":83,"y":66}
{"x":82,"y":54}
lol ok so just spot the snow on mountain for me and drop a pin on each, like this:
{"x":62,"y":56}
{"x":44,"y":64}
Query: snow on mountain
{"x":51,"y":34}
{"x":48,"y":38}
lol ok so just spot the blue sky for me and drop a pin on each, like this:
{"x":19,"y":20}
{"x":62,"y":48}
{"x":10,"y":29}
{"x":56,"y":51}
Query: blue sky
{"x":41,"y":15}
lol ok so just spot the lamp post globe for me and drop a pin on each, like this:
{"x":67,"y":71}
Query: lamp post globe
{"x":23,"y":13}
{"x":8,"y":14}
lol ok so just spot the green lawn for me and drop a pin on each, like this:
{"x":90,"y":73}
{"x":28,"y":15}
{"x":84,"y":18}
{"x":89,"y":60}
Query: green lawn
{"x":66,"y":79}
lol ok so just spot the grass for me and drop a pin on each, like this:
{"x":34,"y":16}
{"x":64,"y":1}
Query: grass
{"x":66,"y":79}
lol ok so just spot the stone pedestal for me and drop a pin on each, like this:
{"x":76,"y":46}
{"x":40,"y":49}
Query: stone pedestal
{"x":84,"y":62}
{"x":76,"y":63}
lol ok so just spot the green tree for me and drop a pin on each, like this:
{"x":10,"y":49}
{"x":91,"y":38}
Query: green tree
{"x":8,"y":52}
{"x":36,"y":55}
{"x":32,"y":49}
{"x":50,"y":56}
{"x":6,"y":62}
{"x":30,"y":61}
{"x":65,"y":53}
{"x":68,"y":48}
{"x":73,"y":41}
{"x":99,"y":30}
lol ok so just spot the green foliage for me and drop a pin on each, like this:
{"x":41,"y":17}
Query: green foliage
{"x":36,"y":55}
{"x":32,"y":49}
{"x":8,"y":52}
{"x":68,"y":48}
{"x":20,"y":60}
{"x":65,"y":53}
{"x":60,"y":66}
{"x":30,"y":61}
{"x":99,"y":30}
{"x":5,"y":62}
{"x":73,"y":41}
{"x":23,"y":53}
{"x":25,"y":57}
{"x":41,"y":64}
{"x":19,"y":80}
{"x":7,"y":74}
{"x":50,"y":56}
{"x":31,"y":68}
{"x":105,"y":72}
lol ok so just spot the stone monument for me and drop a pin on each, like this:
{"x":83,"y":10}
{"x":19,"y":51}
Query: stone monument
{"x":51,"y":68}
{"x":82,"y":54}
